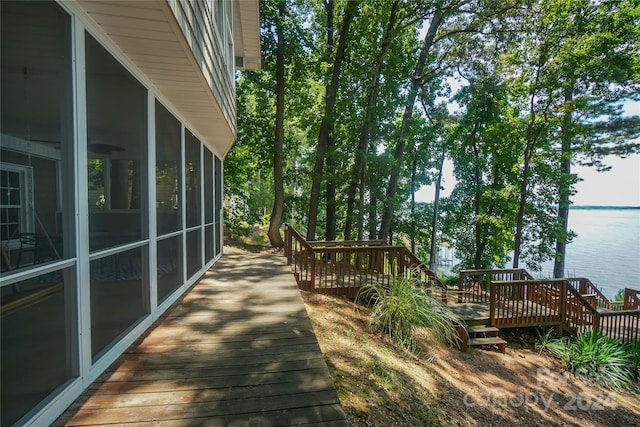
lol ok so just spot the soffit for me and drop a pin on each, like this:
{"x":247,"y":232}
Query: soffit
{"x":247,"y":33}
{"x":147,"y":33}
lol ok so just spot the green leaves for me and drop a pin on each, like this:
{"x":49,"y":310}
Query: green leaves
{"x":594,"y":358}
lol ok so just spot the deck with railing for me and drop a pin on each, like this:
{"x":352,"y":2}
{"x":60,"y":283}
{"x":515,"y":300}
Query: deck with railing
{"x":516,"y":299}
{"x":502,"y":298}
{"x":341,"y":268}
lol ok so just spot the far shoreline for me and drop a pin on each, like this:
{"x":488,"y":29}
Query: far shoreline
{"x":594,"y":207}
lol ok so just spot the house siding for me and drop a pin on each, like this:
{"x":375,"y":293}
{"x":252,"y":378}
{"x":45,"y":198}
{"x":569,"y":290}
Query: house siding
{"x":195,"y":21}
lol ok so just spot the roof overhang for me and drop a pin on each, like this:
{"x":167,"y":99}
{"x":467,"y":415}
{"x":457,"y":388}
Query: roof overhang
{"x":246,"y":37}
{"x":147,"y":33}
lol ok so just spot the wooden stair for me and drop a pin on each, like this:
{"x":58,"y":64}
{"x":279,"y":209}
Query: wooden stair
{"x":481,"y":336}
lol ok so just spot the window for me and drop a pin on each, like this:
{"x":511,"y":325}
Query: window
{"x":16,"y":197}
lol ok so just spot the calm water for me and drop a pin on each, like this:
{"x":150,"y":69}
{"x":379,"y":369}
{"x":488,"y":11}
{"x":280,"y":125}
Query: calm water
{"x":606,"y":250}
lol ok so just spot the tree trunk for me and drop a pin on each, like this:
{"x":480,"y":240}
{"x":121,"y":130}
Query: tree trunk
{"x":416,"y":82}
{"x":330,"y":230}
{"x":278,"y":169}
{"x":477,"y":176}
{"x":524,"y":185}
{"x":373,"y":216}
{"x":327,"y":119}
{"x":330,"y":193}
{"x":360,"y":164}
{"x":412,"y":224}
{"x":564,"y":191}
{"x":433,"y":258}
{"x":532,"y":139}
{"x":351,"y":202}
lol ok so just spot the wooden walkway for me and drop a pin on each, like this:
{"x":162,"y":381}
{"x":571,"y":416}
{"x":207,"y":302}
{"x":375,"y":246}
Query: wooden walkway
{"x":239,"y":350}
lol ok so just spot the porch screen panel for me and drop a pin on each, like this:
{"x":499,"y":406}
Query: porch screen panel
{"x":194,"y":252}
{"x":192,"y":176}
{"x":117,"y":196}
{"x":168,"y":171}
{"x":117,"y":150}
{"x":218,"y":205}
{"x":169,"y":266}
{"x":39,"y":346}
{"x":209,"y":243}
{"x":119,"y":296}
{"x":208,"y":186}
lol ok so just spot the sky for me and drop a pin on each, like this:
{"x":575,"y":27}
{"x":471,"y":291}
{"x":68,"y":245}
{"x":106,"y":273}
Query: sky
{"x":619,"y":186}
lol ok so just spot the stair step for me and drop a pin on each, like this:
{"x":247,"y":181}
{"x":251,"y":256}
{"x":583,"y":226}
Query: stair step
{"x":482,"y":329}
{"x":477,"y":342}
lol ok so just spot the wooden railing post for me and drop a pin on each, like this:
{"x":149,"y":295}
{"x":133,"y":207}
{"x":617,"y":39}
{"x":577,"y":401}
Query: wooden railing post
{"x":312,"y":257}
{"x":492,"y":303}
{"x":562,"y":308}
{"x":631,"y":299}
{"x":287,"y":243}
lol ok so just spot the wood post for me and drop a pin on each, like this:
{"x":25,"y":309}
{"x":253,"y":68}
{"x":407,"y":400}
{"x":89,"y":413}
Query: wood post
{"x":312,"y":256}
{"x":492,"y":304}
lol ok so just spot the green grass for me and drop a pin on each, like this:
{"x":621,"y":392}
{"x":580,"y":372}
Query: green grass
{"x":399,"y":309}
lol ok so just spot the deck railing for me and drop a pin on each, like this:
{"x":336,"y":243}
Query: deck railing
{"x":631,"y":299}
{"x":593,"y":294}
{"x":474,"y":285}
{"x":556,"y":302}
{"x":620,"y":324}
{"x":341,"y":268}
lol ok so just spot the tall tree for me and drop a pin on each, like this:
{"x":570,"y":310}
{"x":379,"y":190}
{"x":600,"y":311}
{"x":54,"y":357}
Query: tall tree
{"x":328,"y":118}
{"x":451,"y":24}
{"x":570,"y":54}
{"x":278,"y":168}
{"x":599,"y":58}
{"x":416,"y":82}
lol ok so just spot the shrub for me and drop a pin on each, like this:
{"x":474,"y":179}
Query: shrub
{"x":542,"y":345}
{"x":593,"y":357}
{"x":634,"y":358}
{"x":402,"y":307}
{"x":449,"y":280}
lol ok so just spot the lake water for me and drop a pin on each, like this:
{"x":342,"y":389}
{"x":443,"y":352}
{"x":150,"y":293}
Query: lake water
{"x":606,"y":250}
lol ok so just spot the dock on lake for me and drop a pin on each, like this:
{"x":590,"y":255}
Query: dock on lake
{"x":239,"y":350}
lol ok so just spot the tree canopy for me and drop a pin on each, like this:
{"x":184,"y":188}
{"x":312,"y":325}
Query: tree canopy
{"x":352,"y":113}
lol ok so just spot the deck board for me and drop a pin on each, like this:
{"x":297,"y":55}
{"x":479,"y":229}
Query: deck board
{"x":239,"y":350}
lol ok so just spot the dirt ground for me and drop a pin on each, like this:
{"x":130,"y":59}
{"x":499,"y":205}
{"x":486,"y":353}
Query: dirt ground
{"x":380,"y":384}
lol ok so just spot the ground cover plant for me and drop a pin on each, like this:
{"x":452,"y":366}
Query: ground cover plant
{"x":594,"y":357}
{"x":398,"y":310}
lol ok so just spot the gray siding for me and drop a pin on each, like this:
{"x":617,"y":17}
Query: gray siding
{"x":197,"y":27}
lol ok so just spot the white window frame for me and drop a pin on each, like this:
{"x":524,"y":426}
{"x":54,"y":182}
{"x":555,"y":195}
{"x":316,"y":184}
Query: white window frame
{"x":26,"y":220}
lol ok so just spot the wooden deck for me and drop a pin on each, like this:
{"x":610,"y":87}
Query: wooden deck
{"x":480,"y":312}
{"x":239,"y":350}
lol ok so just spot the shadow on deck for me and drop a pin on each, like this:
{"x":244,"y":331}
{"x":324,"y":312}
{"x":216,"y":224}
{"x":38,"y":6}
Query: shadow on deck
{"x":239,"y":349}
